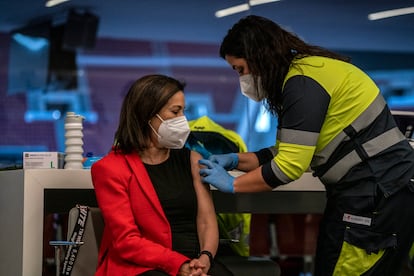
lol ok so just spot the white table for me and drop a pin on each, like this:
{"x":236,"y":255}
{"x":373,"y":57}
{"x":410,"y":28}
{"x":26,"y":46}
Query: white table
{"x":22,"y":213}
{"x":26,"y":195}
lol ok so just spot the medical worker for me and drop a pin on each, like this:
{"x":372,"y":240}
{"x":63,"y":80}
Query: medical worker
{"x":333,"y":120}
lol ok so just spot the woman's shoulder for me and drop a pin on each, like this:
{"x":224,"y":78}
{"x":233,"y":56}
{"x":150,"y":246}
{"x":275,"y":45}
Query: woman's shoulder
{"x":112,"y":160}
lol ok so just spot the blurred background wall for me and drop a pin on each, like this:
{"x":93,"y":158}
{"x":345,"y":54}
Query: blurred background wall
{"x":81,"y":56}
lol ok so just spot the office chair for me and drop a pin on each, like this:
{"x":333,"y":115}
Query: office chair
{"x":86,"y":249}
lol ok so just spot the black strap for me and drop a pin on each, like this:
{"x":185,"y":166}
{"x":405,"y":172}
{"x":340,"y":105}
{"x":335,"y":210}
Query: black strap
{"x":76,"y":236}
{"x":353,"y":135}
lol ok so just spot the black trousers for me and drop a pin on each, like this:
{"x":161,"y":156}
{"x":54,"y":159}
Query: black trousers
{"x":380,"y":227}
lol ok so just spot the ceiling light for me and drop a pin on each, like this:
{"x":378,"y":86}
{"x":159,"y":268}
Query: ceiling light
{"x":260,"y":2}
{"x":241,"y":8}
{"x":232,"y":10}
{"x":390,"y":13}
{"x":51,"y":3}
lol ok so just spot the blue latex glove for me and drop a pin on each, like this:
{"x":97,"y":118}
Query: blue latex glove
{"x":228,"y":161}
{"x":216,"y":175}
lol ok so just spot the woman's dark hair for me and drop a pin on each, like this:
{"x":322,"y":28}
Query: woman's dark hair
{"x":145,"y":98}
{"x":269,"y":51}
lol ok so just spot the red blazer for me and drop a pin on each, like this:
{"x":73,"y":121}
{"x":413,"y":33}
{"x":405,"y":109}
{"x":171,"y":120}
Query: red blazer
{"x":137,"y":235}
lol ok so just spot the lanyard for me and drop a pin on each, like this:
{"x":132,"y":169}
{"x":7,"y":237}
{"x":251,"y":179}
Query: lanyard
{"x":76,"y":239}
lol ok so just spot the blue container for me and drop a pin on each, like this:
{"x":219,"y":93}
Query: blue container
{"x":89,"y":161}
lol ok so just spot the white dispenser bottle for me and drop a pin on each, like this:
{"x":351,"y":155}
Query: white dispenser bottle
{"x":73,"y":141}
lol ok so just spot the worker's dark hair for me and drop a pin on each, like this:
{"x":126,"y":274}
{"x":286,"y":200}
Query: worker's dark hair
{"x":269,"y":51}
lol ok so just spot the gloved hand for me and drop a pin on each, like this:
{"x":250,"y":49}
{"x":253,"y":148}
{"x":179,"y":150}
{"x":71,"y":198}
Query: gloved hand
{"x":216,"y":175}
{"x":228,"y":161}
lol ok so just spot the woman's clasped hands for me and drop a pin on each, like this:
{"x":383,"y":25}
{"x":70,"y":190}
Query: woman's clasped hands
{"x":193,"y":268}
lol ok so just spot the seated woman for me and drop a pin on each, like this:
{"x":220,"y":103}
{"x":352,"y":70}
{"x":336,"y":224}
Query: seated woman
{"x":159,"y":217}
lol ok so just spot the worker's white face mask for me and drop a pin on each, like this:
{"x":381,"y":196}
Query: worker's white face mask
{"x":172,"y":133}
{"x":248,"y":88}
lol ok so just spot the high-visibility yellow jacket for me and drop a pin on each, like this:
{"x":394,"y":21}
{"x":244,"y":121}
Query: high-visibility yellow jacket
{"x":334,"y":120}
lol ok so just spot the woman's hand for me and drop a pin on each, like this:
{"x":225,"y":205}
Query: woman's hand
{"x":217,"y":176}
{"x":193,"y":268}
{"x":198,"y":267}
{"x":228,"y":161}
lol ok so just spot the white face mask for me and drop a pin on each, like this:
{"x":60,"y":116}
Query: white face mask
{"x":249,"y":90}
{"x":172,"y":133}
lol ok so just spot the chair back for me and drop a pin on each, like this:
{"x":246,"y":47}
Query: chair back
{"x":87,"y":257}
